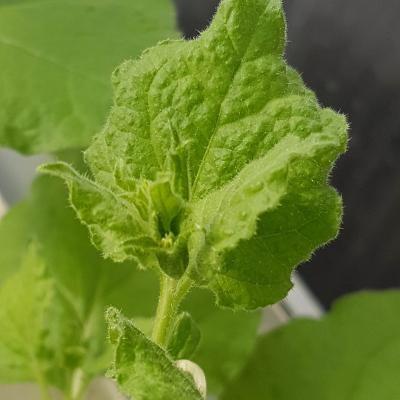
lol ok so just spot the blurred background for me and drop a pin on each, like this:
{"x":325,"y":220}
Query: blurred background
{"x":349,"y":53}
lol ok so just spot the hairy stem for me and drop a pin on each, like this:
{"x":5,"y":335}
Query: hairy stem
{"x":172,"y":292}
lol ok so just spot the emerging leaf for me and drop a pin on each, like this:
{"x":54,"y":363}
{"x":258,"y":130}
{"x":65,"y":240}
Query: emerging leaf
{"x":185,"y":337}
{"x":141,"y":368}
{"x":353,"y":352}
{"x":239,"y":150}
{"x":56,"y":58}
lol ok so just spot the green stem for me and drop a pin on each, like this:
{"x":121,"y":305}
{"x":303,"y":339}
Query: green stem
{"x":77,"y":386}
{"x":172,"y":292}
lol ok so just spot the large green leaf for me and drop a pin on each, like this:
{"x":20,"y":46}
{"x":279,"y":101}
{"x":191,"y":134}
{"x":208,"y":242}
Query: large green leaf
{"x":353,"y":353}
{"x":143,"y":369}
{"x":84,"y":284}
{"x":242,"y":148}
{"x":56,"y":58}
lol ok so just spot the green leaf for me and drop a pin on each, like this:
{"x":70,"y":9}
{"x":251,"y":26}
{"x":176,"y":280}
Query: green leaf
{"x":124,"y":229}
{"x":56,"y":58}
{"x":141,"y":368}
{"x":244,"y":145}
{"x":185,"y":337}
{"x":84,"y":283}
{"x":227,"y":338}
{"x":353,"y":352}
{"x":252,"y":232}
{"x":24,"y":302}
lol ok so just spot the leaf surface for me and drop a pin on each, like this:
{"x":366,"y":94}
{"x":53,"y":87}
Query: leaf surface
{"x":141,"y":368}
{"x":56,"y":58}
{"x":352,"y":353}
{"x":244,"y":145}
{"x":185,"y":337}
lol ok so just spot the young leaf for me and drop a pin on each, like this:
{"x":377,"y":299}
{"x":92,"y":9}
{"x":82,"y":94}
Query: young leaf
{"x":353,"y":352}
{"x":24,"y":302}
{"x":125,"y":229}
{"x":245,"y":146}
{"x":185,"y":337}
{"x":56,"y":58}
{"x":141,"y":368}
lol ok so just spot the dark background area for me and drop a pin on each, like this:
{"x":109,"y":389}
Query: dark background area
{"x":349,"y":53}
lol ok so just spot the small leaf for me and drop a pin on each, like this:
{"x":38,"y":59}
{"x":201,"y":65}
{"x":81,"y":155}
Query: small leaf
{"x":124,"y":230}
{"x":166,"y":203}
{"x":56,"y":58}
{"x":25,"y":300}
{"x":141,"y":368}
{"x":185,"y":337}
{"x":353,"y":352}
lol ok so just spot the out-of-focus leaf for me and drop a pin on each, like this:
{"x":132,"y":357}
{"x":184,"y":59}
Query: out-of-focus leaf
{"x":352,"y":353}
{"x":56,"y":58}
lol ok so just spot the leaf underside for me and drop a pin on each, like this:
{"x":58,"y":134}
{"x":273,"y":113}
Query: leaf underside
{"x":246,"y":150}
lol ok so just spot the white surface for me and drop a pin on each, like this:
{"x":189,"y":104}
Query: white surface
{"x":17,"y":173}
{"x":3,"y":206}
{"x":301,"y":302}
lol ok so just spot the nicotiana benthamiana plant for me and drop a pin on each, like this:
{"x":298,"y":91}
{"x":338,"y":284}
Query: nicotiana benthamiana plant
{"x":211,"y":175}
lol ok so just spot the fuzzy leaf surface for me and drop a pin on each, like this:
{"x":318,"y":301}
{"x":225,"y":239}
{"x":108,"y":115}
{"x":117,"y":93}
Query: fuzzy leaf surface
{"x":142,"y":369}
{"x":56,"y":58}
{"x":245,"y":147}
{"x":352,"y":353}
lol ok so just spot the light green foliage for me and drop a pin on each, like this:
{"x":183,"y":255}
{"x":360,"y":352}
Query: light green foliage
{"x":225,"y":155}
{"x":25,"y":301}
{"x":353,"y":353}
{"x":141,"y":368}
{"x":185,"y":337}
{"x":227,"y":338}
{"x":82,"y":284}
{"x":56,"y":58}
